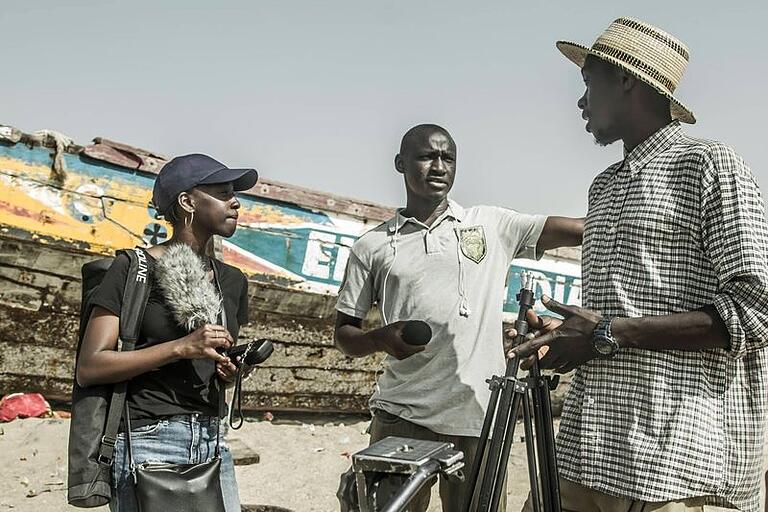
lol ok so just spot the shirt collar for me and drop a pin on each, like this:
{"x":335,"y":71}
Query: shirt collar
{"x":647,"y":150}
{"x":454,"y":211}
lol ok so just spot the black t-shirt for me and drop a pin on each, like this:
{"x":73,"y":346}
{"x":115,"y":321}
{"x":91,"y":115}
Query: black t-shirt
{"x":185,"y":386}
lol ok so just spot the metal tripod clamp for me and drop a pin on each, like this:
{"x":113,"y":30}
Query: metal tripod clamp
{"x":519,"y":385}
{"x":525,"y":300}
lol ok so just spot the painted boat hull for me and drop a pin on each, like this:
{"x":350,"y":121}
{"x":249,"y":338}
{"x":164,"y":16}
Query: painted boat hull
{"x":292,"y":243}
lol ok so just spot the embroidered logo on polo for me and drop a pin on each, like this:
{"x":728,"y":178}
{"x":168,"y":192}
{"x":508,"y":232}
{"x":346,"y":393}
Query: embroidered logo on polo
{"x":472,"y":243}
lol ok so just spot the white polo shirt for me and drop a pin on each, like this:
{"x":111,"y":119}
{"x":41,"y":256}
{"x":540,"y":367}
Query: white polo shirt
{"x":451,"y":275}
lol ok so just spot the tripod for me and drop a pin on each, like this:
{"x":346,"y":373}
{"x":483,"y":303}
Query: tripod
{"x":508,"y":393}
{"x":387,"y":475}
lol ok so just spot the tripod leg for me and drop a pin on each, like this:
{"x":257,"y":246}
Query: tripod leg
{"x":507,"y":404}
{"x":545,"y":442}
{"x":490,"y":475}
{"x":481,"y":447}
{"x":531,"y":452}
{"x":507,"y":445}
{"x":549,"y":465}
{"x":546,"y":495}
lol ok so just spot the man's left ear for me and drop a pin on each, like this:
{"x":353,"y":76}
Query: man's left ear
{"x":399,"y":164}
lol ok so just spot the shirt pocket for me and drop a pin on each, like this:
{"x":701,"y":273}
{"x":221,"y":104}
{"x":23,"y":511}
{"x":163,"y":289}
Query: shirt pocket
{"x":657,"y":254}
{"x":662,"y":232}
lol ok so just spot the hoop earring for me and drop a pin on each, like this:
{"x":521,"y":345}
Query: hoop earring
{"x":189,"y":220}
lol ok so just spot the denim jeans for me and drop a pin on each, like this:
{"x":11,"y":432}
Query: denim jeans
{"x":182,"y":439}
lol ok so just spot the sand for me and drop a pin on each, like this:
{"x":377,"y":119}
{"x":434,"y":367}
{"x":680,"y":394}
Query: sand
{"x":300,"y":460}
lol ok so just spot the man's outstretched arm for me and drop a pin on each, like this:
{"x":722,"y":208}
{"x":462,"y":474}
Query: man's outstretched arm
{"x":560,"y":232}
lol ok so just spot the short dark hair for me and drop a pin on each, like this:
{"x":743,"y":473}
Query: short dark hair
{"x":419,"y":131}
{"x":172,"y":215}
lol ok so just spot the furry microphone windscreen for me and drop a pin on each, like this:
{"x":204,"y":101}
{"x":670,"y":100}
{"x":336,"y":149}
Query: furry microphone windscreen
{"x":190,"y":295}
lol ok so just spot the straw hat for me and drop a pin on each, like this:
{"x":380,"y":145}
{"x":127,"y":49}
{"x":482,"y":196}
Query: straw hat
{"x":653,"y":56}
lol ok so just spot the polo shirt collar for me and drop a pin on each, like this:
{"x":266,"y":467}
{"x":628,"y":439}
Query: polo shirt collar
{"x":651,"y":147}
{"x":454,"y":211}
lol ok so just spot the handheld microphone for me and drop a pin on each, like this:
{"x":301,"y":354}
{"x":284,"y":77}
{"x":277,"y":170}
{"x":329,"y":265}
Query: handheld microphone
{"x":417,"y":332}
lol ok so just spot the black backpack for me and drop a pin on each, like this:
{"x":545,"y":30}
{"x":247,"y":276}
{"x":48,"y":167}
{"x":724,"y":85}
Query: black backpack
{"x":96,"y":410}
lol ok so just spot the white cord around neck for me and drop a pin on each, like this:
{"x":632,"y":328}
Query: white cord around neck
{"x":464,"y":309}
{"x":393,"y":242}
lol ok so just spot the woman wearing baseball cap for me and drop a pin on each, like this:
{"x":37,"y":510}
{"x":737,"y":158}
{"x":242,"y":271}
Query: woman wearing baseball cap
{"x":195,"y":309}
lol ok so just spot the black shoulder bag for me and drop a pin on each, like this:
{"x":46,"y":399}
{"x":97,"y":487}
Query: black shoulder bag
{"x":161,"y":487}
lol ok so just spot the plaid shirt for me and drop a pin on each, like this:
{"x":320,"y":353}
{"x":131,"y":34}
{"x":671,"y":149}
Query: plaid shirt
{"x":679,"y":224}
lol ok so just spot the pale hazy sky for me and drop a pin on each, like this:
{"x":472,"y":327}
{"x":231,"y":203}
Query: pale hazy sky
{"x":318,"y":94}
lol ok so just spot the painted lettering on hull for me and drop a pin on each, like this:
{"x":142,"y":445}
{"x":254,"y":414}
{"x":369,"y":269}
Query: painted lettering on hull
{"x":105,"y":207}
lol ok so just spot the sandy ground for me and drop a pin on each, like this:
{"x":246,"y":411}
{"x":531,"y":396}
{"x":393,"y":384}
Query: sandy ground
{"x":301,"y":459}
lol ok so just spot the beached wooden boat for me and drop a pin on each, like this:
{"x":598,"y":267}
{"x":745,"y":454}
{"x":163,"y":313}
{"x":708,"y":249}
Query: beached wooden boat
{"x":62,"y":205}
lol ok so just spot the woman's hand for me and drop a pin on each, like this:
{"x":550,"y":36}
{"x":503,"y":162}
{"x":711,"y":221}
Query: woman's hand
{"x":203,"y":342}
{"x":226,"y":371}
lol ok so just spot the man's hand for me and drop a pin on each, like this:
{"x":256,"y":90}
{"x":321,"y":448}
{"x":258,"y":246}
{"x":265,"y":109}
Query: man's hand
{"x":537,"y":326}
{"x":389,"y":339}
{"x":355,"y":342}
{"x":570,"y":343}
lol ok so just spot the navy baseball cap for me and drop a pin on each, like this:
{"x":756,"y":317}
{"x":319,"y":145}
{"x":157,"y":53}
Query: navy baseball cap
{"x":188,"y":171}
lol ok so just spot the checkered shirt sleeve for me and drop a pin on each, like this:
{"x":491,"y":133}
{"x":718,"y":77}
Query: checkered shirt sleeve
{"x":678,"y":225}
{"x":735,"y":239}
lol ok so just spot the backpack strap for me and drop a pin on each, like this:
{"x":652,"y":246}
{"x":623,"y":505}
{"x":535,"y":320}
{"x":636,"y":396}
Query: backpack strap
{"x":135,"y":297}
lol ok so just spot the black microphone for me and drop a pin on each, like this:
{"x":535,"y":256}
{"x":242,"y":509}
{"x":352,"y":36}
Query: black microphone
{"x":417,"y":332}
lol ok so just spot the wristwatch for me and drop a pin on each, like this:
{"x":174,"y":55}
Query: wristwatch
{"x":602,"y":341}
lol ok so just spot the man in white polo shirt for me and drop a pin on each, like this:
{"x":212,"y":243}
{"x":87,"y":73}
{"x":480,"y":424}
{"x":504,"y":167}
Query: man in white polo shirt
{"x":444,"y":264}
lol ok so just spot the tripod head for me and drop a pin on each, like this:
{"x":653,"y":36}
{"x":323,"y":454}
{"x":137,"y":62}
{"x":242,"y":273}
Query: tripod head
{"x":389,"y":473}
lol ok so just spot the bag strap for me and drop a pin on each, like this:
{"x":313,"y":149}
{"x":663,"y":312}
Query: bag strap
{"x":135,"y":297}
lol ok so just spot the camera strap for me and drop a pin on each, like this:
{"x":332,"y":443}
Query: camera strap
{"x":236,"y":407}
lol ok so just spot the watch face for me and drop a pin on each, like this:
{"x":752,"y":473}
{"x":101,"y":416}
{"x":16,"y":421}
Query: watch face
{"x":603,"y":346}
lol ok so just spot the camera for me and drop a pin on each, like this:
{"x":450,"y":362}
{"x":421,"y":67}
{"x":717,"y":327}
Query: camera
{"x":252,"y":353}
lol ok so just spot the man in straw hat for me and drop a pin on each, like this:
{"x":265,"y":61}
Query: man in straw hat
{"x":667,"y":407}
